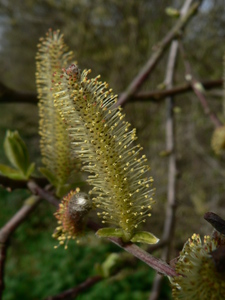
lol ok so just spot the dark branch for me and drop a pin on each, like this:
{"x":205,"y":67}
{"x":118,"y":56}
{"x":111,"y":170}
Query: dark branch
{"x":8,"y":95}
{"x":153,"y":262}
{"x":159,"y":95}
{"x":74,"y":292}
{"x":8,"y":229}
{"x":217,"y":222}
{"x":18,"y":218}
{"x":13,"y":184}
{"x":158,"y":52}
{"x":43,"y":193}
{"x":155,"y":96}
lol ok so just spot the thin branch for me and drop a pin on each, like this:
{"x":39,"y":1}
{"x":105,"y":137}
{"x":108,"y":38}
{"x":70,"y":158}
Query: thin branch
{"x":74,"y":292}
{"x":8,"y":229}
{"x":155,"y":96}
{"x":158,"y":265}
{"x":197,"y":90}
{"x":155,"y":263}
{"x":37,"y":190}
{"x":159,"y":95}
{"x":13,"y":184}
{"x":159,"y":50}
{"x":8,"y":95}
{"x":169,"y":224}
{"x":18,"y":218}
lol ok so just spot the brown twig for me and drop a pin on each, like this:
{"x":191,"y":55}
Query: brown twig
{"x":159,"y":95}
{"x":37,"y":190}
{"x":159,"y":50}
{"x":153,"y":262}
{"x":169,"y":223}
{"x":74,"y":292}
{"x":8,"y":95}
{"x":197,"y":90}
{"x":171,"y":190}
{"x":13,"y":184}
{"x":216,"y":221}
{"x":155,"y":96}
{"x":171,"y":148}
{"x":8,"y":229}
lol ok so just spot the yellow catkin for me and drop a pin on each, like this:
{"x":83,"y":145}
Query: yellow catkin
{"x":51,"y":57}
{"x":122,"y":192}
{"x":199,"y":278}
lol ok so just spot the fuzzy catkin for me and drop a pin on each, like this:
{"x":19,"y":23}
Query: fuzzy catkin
{"x":51,"y":57}
{"x":101,"y":138}
{"x":199,"y":278}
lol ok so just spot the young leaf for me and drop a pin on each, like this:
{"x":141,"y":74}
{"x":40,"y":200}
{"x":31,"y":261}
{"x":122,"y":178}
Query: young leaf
{"x":11,"y":173}
{"x":16,"y":151}
{"x":144,"y":237}
{"x":110,"y":232}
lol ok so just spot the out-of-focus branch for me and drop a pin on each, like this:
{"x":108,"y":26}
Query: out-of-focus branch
{"x":19,"y":217}
{"x":155,"y":96}
{"x":8,"y":95}
{"x":197,"y":89}
{"x":171,"y":148}
{"x":74,"y":292}
{"x":216,"y":221}
{"x":13,"y":184}
{"x":169,"y":224}
{"x":159,"y":49}
{"x":168,"y":231}
{"x":8,"y":229}
{"x":160,"y":95}
{"x":43,"y":193}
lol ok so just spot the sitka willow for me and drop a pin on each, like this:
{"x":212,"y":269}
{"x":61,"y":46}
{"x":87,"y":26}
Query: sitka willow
{"x":52,"y":56}
{"x":101,"y":139}
{"x":84,"y":123}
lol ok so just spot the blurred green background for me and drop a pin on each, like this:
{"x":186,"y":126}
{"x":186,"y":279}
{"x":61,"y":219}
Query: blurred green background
{"x":114,"y":38}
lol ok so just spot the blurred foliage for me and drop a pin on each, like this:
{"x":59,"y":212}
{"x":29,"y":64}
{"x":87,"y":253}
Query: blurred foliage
{"x":114,"y":38}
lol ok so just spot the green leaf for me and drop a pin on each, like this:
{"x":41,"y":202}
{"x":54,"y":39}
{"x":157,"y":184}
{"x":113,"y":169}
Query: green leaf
{"x":110,"y":232}
{"x":50,"y":176}
{"x":144,"y":237}
{"x":16,"y":151}
{"x":11,"y":173}
{"x":30,"y":170}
